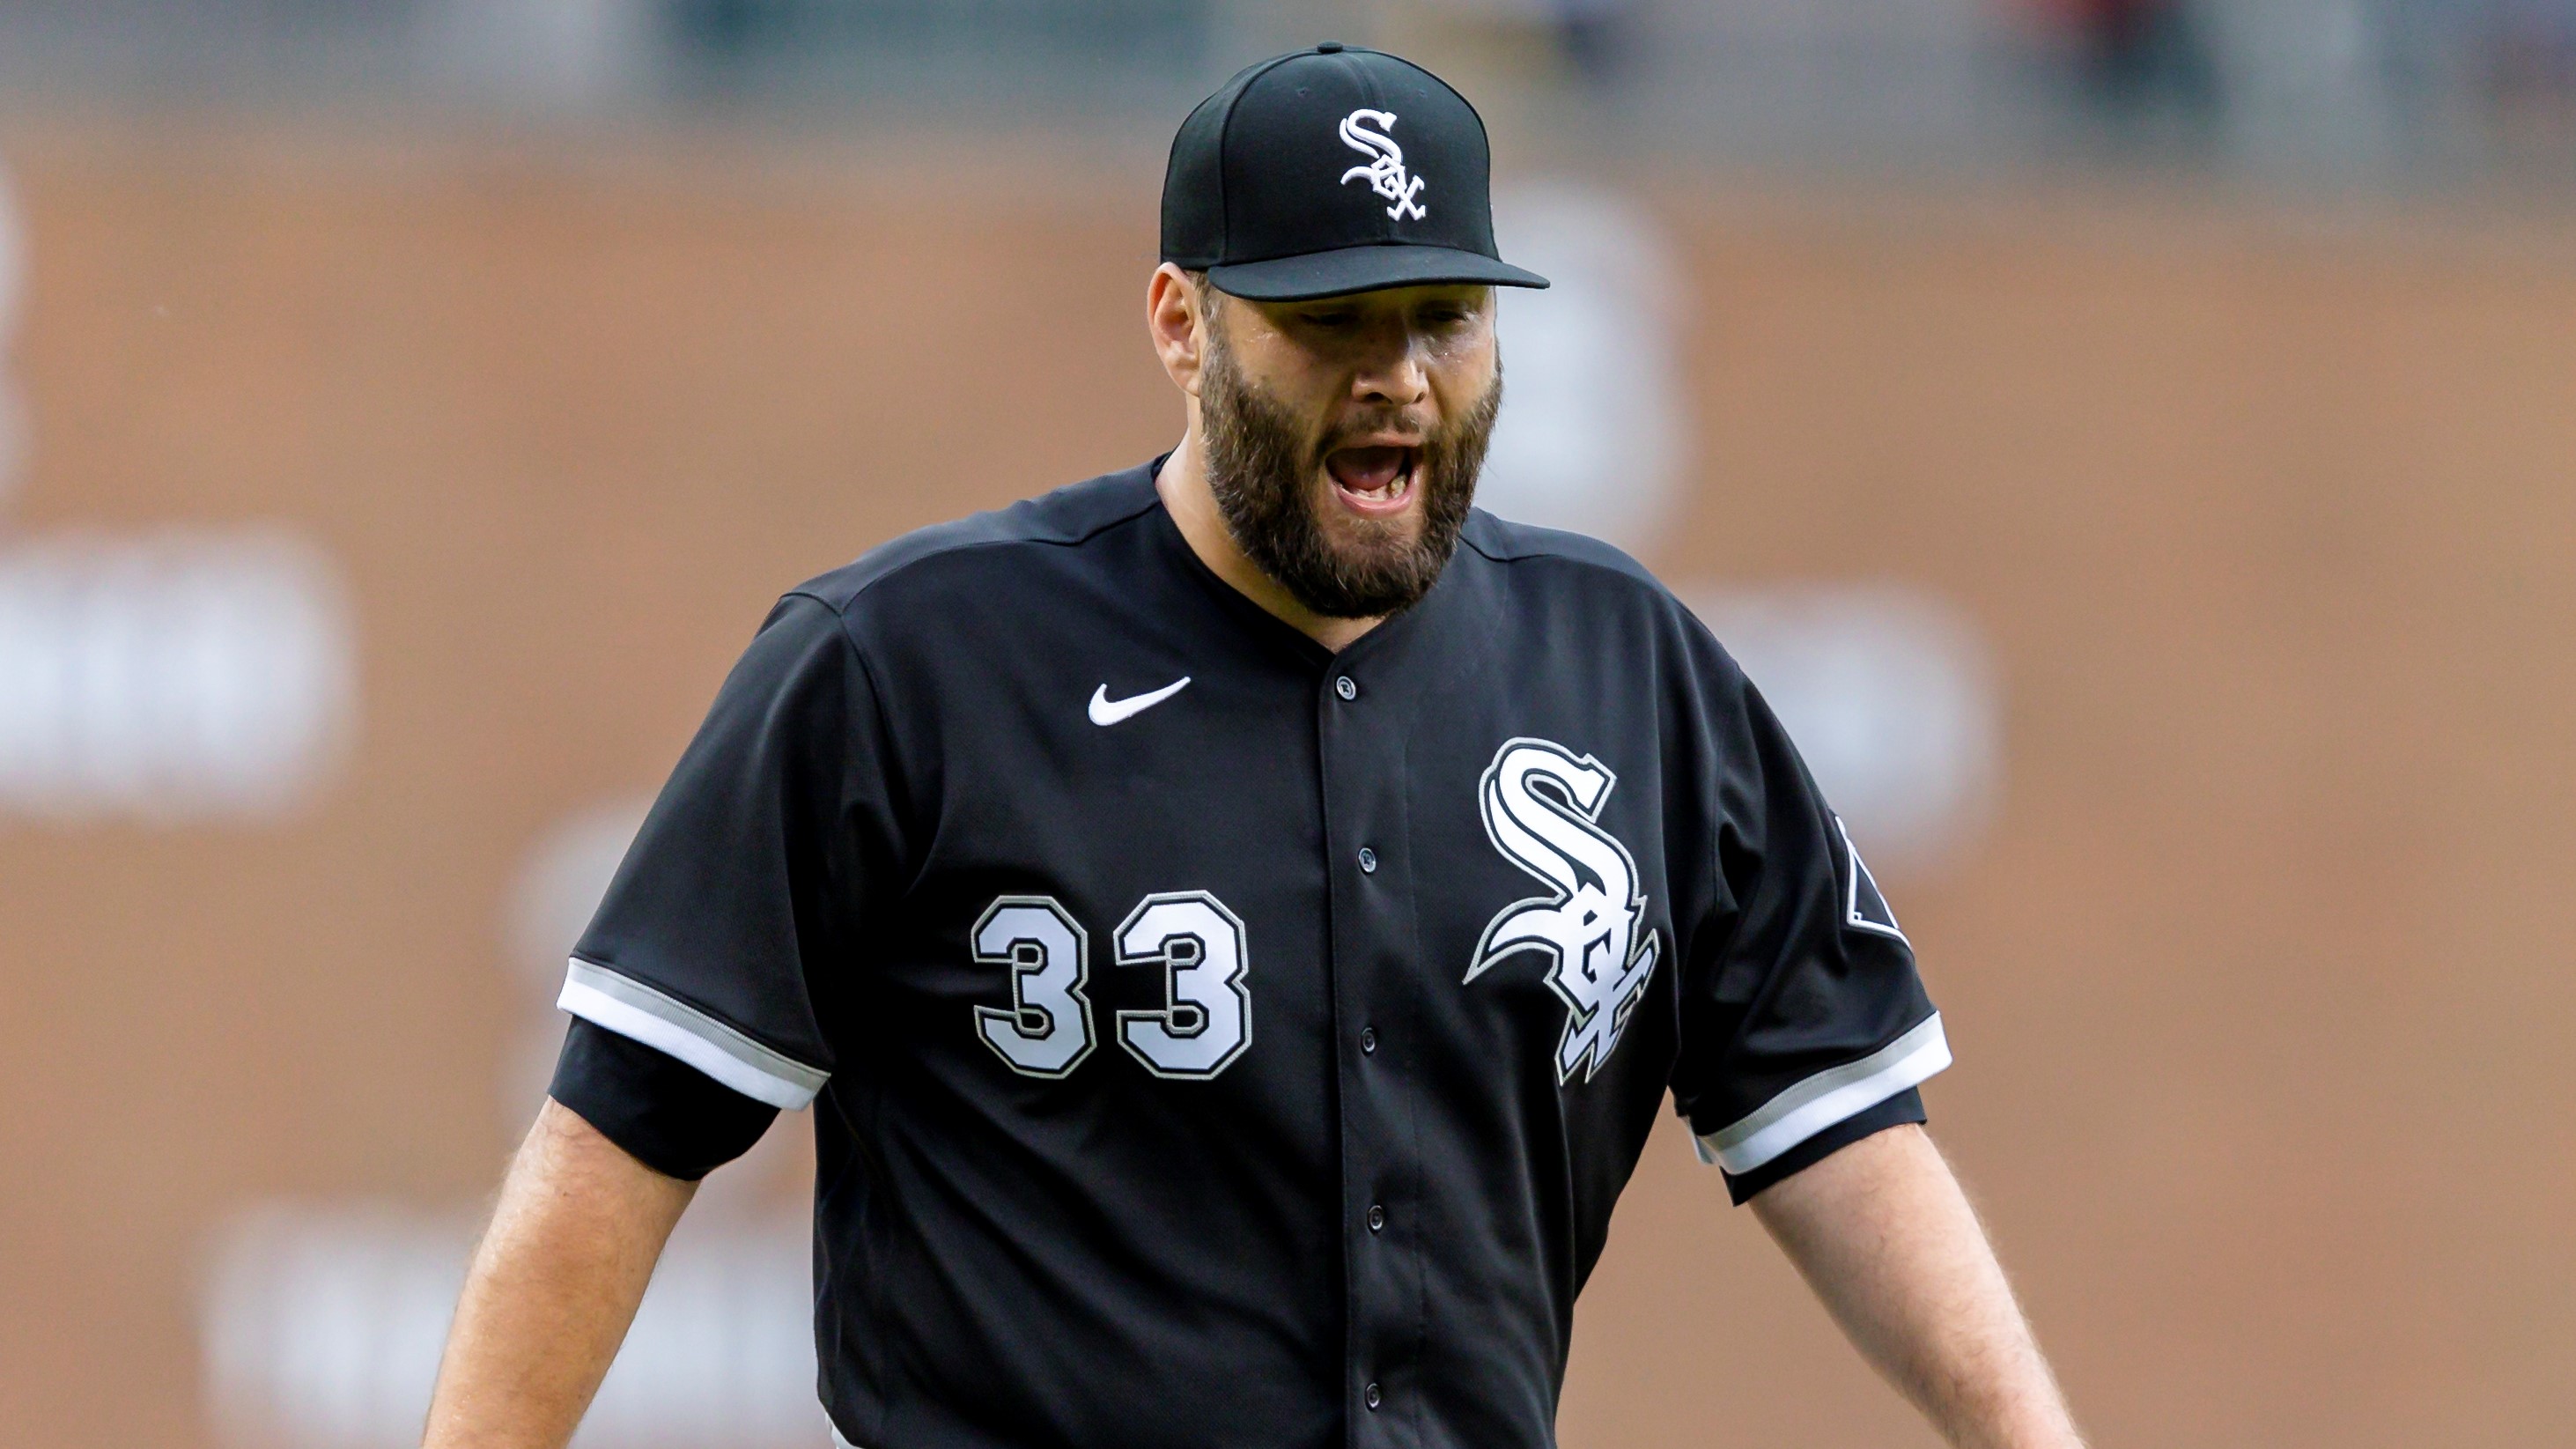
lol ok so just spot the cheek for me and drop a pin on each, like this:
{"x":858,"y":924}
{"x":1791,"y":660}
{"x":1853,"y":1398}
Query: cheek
{"x":1300,"y":393}
{"x":1464,"y":365}
{"x":1461,"y":385}
{"x":1310,"y":402}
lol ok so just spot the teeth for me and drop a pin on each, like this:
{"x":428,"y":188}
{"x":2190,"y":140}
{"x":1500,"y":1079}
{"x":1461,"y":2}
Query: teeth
{"x":1395,"y":488}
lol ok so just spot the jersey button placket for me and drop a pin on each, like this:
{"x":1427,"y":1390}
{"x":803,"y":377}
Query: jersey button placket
{"x":1364,"y":785}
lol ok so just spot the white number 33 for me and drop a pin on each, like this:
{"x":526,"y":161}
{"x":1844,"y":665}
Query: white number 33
{"x":1204,"y":1023}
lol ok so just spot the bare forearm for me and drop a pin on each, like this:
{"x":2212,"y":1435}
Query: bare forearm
{"x":1883,"y":1234}
{"x":552,"y":1289}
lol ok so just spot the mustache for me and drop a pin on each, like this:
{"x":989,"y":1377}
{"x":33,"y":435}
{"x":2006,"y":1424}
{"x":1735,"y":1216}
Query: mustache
{"x":1432,"y":442}
{"x":1402,"y":424}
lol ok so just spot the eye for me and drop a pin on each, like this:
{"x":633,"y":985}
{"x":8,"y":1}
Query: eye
{"x":1330,"y":319}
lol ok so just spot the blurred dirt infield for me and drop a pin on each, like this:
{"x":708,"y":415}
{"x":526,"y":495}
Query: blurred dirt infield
{"x":2259,"y":983}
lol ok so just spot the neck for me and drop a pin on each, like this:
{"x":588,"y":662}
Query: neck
{"x":1183,"y":484}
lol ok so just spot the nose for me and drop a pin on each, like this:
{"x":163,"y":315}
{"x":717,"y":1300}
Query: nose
{"x":1391,"y":370}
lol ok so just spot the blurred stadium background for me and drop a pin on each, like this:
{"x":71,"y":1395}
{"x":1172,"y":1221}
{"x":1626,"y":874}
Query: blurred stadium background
{"x":2134,"y":441}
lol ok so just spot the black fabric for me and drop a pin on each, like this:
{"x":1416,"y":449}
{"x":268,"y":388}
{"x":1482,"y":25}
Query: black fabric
{"x":1351,"y":157}
{"x":1045,"y":845}
{"x":752,"y":860}
{"x":1896,"y":1111}
{"x":1364,"y":269}
{"x":668,"y":1116}
{"x":1792,"y":988}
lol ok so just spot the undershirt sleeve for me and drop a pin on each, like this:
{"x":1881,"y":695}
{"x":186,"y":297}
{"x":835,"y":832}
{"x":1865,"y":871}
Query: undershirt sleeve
{"x":666,"y":1114}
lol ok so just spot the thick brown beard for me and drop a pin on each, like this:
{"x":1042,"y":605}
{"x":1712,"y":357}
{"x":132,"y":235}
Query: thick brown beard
{"x":1262,"y":472}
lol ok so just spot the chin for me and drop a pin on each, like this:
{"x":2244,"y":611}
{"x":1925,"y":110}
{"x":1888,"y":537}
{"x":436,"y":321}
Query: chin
{"x":1368,"y":544}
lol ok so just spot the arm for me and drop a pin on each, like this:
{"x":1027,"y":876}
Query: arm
{"x":552,"y":1288}
{"x":1883,"y":1234}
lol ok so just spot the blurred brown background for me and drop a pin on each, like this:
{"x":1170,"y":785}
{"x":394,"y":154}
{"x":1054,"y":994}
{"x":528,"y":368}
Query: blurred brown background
{"x":2258,"y":973}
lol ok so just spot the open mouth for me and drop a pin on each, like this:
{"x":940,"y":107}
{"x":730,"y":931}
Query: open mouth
{"x":1375,"y":481}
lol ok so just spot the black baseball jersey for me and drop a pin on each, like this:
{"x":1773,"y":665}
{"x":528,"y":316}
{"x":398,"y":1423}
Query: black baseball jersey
{"x":1215,"y":1039}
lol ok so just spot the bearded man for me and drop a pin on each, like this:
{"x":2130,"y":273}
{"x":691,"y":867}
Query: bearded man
{"x":1237,"y":919}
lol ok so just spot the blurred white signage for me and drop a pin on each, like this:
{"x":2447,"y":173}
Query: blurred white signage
{"x":179,"y":675}
{"x":322,"y":1323}
{"x":322,"y":1328}
{"x":1593,"y":425}
{"x":1891,"y":697}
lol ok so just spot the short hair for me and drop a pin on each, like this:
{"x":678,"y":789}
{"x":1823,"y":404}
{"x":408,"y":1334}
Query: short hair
{"x":1211,"y":308}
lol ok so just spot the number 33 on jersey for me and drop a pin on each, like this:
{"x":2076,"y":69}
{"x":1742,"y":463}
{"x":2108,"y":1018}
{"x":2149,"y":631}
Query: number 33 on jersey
{"x":1205,"y":1023}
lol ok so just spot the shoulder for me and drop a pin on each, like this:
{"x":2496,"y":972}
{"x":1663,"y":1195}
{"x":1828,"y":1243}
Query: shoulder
{"x":988,"y":546}
{"x":1506,"y":542}
{"x":1559,"y":573}
{"x":1558,"y":561}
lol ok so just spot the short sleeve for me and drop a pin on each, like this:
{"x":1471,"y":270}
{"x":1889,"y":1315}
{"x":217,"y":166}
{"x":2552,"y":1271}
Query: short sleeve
{"x":1807,"y":1025}
{"x":718,"y":941}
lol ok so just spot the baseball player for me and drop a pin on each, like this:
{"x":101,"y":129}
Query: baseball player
{"x":1235,"y":920}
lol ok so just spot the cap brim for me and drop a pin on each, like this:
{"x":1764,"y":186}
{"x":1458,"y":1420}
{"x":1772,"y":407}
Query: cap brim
{"x":1364,"y":269}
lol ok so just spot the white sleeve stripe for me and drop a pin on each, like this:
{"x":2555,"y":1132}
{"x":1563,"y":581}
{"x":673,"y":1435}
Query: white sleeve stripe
{"x":1829,"y":1097}
{"x":673,"y":1027}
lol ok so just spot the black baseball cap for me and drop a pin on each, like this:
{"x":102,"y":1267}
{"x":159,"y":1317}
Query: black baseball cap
{"x":1329,"y":171}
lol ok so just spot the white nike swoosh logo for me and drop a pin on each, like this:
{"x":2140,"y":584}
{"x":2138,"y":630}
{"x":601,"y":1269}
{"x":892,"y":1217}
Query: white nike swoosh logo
{"x":1107,"y":711}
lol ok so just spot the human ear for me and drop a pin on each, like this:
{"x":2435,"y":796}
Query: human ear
{"x":1178,"y":326}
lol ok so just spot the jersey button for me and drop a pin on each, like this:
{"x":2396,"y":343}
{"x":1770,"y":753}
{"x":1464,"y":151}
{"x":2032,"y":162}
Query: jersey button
{"x":1346,"y":687}
{"x":1371,"y":1397}
{"x":1368,"y":1040}
{"x":1368,"y":861}
{"x":1377,"y":1218}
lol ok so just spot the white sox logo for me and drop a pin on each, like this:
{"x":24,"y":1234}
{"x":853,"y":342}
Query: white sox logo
{"x":1541,"y":804}
{"x":1385,"y":174}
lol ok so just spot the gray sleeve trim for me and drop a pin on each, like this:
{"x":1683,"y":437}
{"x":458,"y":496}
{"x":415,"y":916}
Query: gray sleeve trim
{"x":1827,"y":1098}
{"x":669,"y":1025}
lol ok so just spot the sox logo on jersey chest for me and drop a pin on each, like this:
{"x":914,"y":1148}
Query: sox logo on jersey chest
{"x":1542,"y":807}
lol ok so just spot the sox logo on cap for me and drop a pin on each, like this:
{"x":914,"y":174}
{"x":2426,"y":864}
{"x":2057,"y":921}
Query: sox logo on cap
{"x":1385,"y":172}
